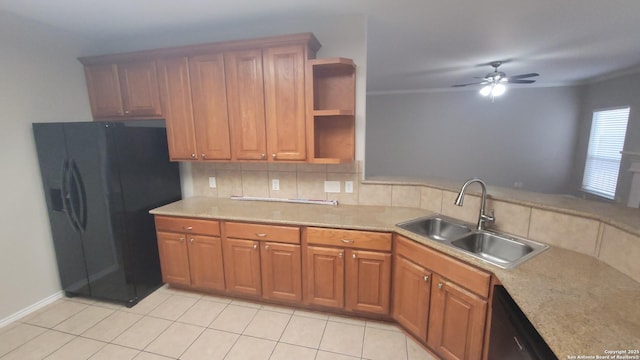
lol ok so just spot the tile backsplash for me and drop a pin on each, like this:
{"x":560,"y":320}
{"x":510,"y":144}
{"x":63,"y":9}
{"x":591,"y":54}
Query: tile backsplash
{"x":586,"y":235}
{"x":296,"y":181}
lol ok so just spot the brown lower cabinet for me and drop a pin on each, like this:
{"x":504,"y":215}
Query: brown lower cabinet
{"x":440,"y":300}
{"x":242,"y":266}
{"x":205,"y":262}
{"x":190,"y":252}
{"x":325,"y":276}
{"x":350,"y":277}
{"x":281,"y":272}
{"x":174,"y":258}
{"x":456,"y":325}
{"x":368,"y":281}
{"x":411,"y":296}
{"x":263,"y":261}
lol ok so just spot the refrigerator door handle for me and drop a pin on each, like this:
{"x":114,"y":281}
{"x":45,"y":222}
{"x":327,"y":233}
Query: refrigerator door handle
{"x":66,"y":195}
{"x":78,"y":193}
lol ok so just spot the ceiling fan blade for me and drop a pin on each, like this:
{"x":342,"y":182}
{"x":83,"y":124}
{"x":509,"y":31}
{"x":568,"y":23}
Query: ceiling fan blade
{"x":522,"y":76}
{"x":520,"y":81}
{"x":461,"y":85}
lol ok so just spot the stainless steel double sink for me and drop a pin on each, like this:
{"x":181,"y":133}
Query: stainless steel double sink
{"x":498,"y":249}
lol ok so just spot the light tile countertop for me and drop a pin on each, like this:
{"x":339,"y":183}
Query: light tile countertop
{"x":580,"y":305}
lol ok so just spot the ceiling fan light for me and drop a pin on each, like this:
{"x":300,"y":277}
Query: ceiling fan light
{"x":498,"y":90}
{"x":486,"y":90}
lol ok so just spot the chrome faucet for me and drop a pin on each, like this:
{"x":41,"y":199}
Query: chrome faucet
{"x":483,"y":218}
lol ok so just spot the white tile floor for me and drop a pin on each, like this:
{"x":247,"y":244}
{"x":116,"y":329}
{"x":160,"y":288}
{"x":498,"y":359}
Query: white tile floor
{"x":174,"y":324}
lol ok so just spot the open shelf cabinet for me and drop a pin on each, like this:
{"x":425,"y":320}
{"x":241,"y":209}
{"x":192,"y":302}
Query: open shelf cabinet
{"x":331,"y":90}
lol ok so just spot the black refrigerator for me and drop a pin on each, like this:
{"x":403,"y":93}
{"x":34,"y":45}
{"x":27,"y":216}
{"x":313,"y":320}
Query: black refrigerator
{"x":100,"y":181}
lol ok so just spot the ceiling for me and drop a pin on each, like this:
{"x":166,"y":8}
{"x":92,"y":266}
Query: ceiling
{"x":413,"y":45}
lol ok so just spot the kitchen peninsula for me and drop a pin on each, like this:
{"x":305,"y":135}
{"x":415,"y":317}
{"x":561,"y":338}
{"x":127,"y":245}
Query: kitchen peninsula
{"x":577,"y":303}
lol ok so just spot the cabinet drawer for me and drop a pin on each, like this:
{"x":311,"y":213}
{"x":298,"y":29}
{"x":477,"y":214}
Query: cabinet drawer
{"x":285,"y":234}
{"x":188,"y":225}
{"x":465,"y":275}
{"x":350,"y":238}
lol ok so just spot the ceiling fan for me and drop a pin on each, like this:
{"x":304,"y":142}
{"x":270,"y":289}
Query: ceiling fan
{"x":494,"y":81}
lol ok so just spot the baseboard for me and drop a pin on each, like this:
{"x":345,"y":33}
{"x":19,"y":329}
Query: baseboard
{"x":31,"y":308}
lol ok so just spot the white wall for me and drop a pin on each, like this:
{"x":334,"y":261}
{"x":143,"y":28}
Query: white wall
{"x":41,"y":81}
{"x":619,"y":91}
{"x":526,"y":136}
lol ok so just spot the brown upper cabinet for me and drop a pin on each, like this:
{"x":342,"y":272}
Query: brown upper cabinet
{"x":245,"y":99}
{"x":123,"y":90}
{"x":331,"y":110}
{"x":266,"y":102}
{"x":284,"y":69}
{"x":264,"y":99}
{"x":210,"y":114}
{"x":175,"y":90}
{"x":195,"y":107}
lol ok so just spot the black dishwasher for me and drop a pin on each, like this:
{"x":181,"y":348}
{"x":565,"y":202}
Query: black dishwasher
{"x":512,"y":336}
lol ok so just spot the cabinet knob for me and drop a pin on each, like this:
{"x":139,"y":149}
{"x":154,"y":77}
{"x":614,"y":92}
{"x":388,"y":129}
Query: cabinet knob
{"x":261,"y":235}
{"x":126,"y":111}
{"x":255,"y":246}
{"x":340,"y":255}
{"x":353,"y":256}
{"x":266,"y":247}
{"x":202,"y":156}
{"x":191,"y":240}
{"x":263,"y":156}
{"x":426,"y":278}
{"x":273,"y":155}
{"x":193,"y":156}
{"x":188,"y":228}
{"x":347,"y":241}
{"x":181,"y":240}
{"x":440,"y":285}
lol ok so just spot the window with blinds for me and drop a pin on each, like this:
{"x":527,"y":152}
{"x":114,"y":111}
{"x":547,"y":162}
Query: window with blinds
{"x":608,"y":130}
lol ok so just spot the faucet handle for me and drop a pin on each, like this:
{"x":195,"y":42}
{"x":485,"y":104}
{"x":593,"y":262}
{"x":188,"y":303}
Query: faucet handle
{"x":489,"y":218}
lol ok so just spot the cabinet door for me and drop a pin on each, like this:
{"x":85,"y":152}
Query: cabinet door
{"x":205,"y":260}
{"x":412,"y":286}
{"x":245,"y":100}
{"x":174,"y":259}
{"x":209,"y":95}
{"x":281,"y":271}
{"x":457,"y":319}
{"x":242,"y":266}
{"x":139,"y":85}
{"x":104,"y":90}
{"x":325,"y":276}
{"x":285,"y":102}
{"x":368,"y":281}
{"x":175,"y":89}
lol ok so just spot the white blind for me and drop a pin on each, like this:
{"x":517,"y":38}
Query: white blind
{"x":608,"y":130}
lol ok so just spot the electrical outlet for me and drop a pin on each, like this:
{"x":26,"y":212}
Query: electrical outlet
{"x":348,"y":187}
{"x":332,"y":186}
{"x":212,"y":182}
{"x":275,"y":184}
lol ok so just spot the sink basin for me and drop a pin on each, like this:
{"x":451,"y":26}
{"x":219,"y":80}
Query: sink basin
{"x":501,"y":250}
{"x":436,"y":227}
